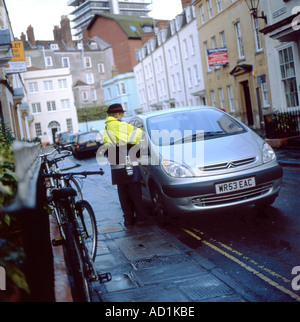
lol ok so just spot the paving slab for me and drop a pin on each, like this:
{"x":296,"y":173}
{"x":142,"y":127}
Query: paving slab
{"x":145,"y":245}
{"x":156,"y":293}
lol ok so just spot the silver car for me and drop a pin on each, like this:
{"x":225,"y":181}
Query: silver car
{"x":199,"y":159}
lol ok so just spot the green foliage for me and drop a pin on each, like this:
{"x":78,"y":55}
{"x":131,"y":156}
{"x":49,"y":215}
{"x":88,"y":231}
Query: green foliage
{"x":281,"y":125}
{"x":8,"y":184}
{"x":92,"y":114}
{"x":12,"y":253}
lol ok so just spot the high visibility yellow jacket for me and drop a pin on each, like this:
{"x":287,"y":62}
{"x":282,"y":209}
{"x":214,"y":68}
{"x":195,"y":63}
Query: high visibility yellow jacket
{"x":120,"y":132}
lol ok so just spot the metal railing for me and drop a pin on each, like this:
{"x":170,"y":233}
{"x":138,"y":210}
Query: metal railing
{"x":27,"y":169}
{"x":28,"y":208}
{"x":282,"y":124}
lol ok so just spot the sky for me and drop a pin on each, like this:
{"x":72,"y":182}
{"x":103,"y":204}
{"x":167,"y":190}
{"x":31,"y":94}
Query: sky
{"x":43,"y":15}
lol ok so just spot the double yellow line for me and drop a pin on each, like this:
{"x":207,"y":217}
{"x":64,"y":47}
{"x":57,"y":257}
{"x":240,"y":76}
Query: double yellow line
{"x":212,"y":244}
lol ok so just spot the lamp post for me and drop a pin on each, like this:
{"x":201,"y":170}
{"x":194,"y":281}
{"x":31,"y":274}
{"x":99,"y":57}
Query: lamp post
{"x":253,"y":6}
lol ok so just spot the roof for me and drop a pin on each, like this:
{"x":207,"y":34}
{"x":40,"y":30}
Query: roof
{"x":62,"y":47}
{"x":131,"y":25}
{"x":80,"y":83}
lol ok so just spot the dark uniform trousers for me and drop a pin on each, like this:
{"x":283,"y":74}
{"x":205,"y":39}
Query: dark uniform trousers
{"x":129,"y":191}
{"x":130,"y":196}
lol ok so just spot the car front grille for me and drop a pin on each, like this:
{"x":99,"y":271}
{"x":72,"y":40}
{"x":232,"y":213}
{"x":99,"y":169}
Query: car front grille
{"x":237,"y":196}
{"x":229,"y":164}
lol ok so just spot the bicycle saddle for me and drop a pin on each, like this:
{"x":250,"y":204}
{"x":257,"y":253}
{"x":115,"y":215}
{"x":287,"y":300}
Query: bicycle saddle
{"x":64,"y":193}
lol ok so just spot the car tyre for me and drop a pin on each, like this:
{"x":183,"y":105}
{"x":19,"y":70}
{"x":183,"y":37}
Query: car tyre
{"x":76,"y":155}
{"x":159,"y":209}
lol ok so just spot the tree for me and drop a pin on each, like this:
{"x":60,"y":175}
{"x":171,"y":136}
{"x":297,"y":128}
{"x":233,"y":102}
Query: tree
{"x":92,"y":114}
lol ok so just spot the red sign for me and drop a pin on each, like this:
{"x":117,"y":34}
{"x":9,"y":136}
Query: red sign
{"x":217,"y":56}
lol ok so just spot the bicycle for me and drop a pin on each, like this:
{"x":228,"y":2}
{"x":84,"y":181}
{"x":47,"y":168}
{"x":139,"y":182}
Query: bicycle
{"x":78,"y":228}
{"x":51,"y":166}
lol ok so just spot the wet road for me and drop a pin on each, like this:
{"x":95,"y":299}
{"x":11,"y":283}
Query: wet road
{"x":252,"y":250}
{"x":258,"y":248}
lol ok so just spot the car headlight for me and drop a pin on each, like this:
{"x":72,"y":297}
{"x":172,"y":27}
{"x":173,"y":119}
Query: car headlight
{"x":268,"y":153}
{"x":176,"y":170}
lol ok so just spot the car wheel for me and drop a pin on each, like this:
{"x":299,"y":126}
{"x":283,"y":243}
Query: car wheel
{"x":76,"y":155}
{"x":159,"y":209}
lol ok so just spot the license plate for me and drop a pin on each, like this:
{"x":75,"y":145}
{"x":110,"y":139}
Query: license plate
{"x":91,"y":144}
{"x":235,"y":185}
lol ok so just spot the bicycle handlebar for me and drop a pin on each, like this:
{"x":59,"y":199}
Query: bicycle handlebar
{"x":71,"y":174}
{"x":68,"y":153}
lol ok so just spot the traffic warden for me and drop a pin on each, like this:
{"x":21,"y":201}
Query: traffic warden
{"x":122,"y":142}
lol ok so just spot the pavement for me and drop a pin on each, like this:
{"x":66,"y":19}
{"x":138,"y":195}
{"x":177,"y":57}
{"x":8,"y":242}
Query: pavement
{"x":289,"y":155}
{"x":147,"y":263}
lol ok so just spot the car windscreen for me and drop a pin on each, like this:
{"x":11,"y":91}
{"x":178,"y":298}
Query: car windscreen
{"x":87,"y":137}
{"x":179,"y":127}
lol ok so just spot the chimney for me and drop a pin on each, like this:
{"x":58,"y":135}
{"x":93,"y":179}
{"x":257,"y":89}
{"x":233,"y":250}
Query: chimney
{"x":162,"y":24}
{"x":65,"y":31}
{"x":23,"y":37}
{"x":185,"y":3}
{"x":30,"y":36}
{"x":57,"y":33}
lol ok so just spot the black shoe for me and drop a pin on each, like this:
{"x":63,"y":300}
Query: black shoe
{"x":129,"y":221}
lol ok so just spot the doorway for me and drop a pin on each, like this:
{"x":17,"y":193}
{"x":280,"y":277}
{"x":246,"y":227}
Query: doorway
{"x":247,"y":97}
{"x":53,"y":127}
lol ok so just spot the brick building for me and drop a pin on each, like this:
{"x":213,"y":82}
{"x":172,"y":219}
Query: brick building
{"x":126,"y":35}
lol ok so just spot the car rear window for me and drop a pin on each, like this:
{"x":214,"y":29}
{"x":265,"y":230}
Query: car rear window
{"x":87,"y":137}
{"x":213,"y":123}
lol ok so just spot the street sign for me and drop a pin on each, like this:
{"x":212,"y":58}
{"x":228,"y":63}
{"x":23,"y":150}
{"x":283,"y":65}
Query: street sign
{"x":17,"y":64}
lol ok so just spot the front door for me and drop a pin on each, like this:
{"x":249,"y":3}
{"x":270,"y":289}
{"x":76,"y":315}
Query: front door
{"x":53,"y":127}
{"x":247,"y":97}
{"x":54,"y":130}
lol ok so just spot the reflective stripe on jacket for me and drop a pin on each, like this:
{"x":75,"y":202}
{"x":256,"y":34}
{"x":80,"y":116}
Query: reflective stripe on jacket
{"x":120,"y":132}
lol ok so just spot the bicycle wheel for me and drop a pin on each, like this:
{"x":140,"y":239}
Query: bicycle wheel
{"x":88,"y":227}
{"x":73,"y":183}
{"x":76,"y":265}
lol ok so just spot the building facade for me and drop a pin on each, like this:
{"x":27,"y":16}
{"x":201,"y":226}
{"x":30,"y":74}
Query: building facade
{"x":51,"y":101}
{"x":125,"y":34}
{"x":122,"y":89}
{"x":282,"y":36}
{"x":242,"y":85}
{"x":13,"y":106}
{"x":85,"y":10}
{"x":169,"y":73}
{"x":90,"y":62}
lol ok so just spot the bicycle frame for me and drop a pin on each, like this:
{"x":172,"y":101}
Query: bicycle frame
{"x":69,"y":205}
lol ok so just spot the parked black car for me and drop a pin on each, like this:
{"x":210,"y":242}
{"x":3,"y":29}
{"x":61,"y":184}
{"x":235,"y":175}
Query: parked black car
{"x":69,"y":140}
{"x":62,"y":138}
{"x":87,"y":142}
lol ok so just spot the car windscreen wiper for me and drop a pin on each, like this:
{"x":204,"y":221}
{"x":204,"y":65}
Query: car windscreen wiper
{"x":214,"y":134}
{"x":199,"y":136}
{"x":188,"y":138}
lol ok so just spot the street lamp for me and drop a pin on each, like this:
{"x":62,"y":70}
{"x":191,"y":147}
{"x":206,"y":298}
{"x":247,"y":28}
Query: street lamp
{"x":253,"y":5}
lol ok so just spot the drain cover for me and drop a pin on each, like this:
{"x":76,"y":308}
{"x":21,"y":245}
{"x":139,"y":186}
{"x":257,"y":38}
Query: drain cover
{"x":205,"y":287}
{"x":159,"y":261}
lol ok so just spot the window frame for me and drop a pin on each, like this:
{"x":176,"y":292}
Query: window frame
{"x":239,"y":40}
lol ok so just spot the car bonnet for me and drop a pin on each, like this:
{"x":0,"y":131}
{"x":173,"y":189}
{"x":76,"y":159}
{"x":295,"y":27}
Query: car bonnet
{"x":197,"y":154}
